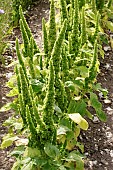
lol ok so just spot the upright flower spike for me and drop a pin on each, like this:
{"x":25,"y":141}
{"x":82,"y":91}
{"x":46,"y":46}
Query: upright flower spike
{"x":75,"y":30}
{"x":94,"y":61}
{"x":100,"y":4}
{"x":30,"y":122}
{"x":52,"y":27}
{"x":49,"y":100}
{"x":21,"y":62}
{"x":60,"y":93}
{"x":48,"y":109}
{"x":93,"y":2}
{"x":46,"y":43}
{"x":92,"y":69}
{"x":41,"y":62}
{"x":28,"y":31}
{"x":31,"y":54}
{"x":18,"y":80}
{"x":22,"y":109}
{"x":30,"y":104}
{"x":57,"y":49}
{"x":24,"y":86}
{"x":65,"y":67}
{"x":83,"y":28}
{"x":36,"y":115}
{"x":81,"y":3}
{"x":31,"y":93}
{"x":64,"y":14}
{"x":72,"y":2}
{"x":96,"y":27}
{"x":25,"y":39}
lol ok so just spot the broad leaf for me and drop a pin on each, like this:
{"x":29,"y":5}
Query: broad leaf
{"x":51,"y":150}
{"x":57,"y":109}
{"x":109,"y":24}
{"x":28,"y":166}
{"x":13,"y":92}
{"x":74,"y":157}
{"x":101,"y":114}
{"x":77,"y":107}
{"x":62,"y":130}
{"x":94,"y":101}
{"x":31,"y":152}
{"x":8,"y":140}
{"x":6,"y":107}
{"x":77,"y":118}
{"x":83,"y":71}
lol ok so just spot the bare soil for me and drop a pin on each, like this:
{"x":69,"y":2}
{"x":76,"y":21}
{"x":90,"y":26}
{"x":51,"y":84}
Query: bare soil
{"x":98,"y":140}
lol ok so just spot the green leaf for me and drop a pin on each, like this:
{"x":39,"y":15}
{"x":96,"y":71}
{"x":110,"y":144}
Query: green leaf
{"x":40,"y":161}
{"x":95,"y":102}
{"x":13,"y":92}
{"x":77,"y":118}
{"x":57,"y":109}
{"x":101,"y":114}
{"x":51,"y":150}
{"x":89,"y":115}
{"x":62,"y":168}
{"x":70,"y":85}
{"x":72,"y":106}
{"x":36,"y":85}
{"x":77,"y":107}
{"x":83,"y":71}
{"x":62,"y":130}
{"x":31,"y":152}
{"x":18,"y":151}
{"x":81,"y":146}
{"x":74,"y":157}
{"x":8,"y":140}
{"x":28,"y":166}
{"x":6,"y":107}
{"x":109,"y":24}
{"x":11,"y":82}
{"x":16,"y":165}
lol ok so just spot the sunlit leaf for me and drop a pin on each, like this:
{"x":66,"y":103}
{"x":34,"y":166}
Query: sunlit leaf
{"x":62,"y":130}
{"x":6,"y":107}
{"x":77,"y":118}
{"x":8,"y":141}
{"x":13,"y":92}
{"x":109,"y":24}
{"x":31,"y":152}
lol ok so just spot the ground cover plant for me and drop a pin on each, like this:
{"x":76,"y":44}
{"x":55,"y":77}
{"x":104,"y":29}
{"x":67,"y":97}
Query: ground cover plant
{"x":55,"y":91}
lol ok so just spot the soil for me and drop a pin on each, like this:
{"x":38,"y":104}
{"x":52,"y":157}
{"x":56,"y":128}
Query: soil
{"x":98,"y":140}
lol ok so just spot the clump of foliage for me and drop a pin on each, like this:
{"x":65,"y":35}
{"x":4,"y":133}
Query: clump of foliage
{"x":55,"y":87}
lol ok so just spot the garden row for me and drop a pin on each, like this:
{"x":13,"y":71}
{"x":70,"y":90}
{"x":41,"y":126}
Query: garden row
{"x":56,"y":86}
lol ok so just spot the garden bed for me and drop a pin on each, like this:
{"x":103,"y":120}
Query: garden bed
{"x":98,"y":140}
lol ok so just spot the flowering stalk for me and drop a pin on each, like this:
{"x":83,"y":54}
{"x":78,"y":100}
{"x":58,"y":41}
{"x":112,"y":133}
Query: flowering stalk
{"x":28,"y":31}
{"x":75,"y":30}
{"x":46,"y":43}
{"x":31,"y":54}
{"x":25,"y":39}
{"x":21,"y":62}
{"x":48,"y":109}
{"x":52,"y":27}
